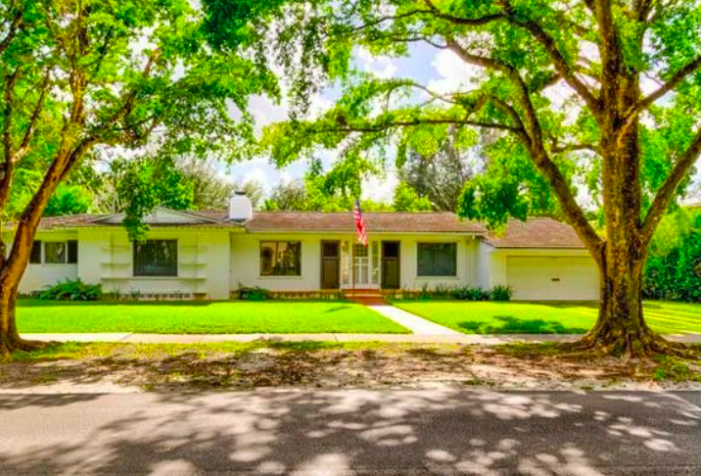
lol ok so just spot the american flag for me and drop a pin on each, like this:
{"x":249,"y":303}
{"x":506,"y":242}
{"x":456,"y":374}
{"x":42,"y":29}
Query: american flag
{"x":360,"y":224}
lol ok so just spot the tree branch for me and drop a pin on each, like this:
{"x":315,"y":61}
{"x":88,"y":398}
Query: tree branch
{"x":667,"y":191}
{"x":548,"y":43}
{"x":12,"y":31}
{"x":436,"y":12}
{"x":571,"y":209}
{"x":673,"y":82}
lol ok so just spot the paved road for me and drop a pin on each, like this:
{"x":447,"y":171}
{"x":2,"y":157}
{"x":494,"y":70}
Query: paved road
{"x":352,"y":433}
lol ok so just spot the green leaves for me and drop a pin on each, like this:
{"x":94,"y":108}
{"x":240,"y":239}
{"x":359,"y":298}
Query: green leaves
{"x":143,"y":184}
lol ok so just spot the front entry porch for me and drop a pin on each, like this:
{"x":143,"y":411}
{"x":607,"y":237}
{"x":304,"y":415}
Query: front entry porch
{"x":351,"y":266}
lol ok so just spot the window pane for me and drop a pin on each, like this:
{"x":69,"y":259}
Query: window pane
{"x":72,"y":251}
{"x":280,"y":258}
{"x":156,"y":258}
{"x":437,"y":259}
{"x":267,"y":258}
{"x":361,"y":251}
{"x":55,"y":252}
{"x":35,"y":256}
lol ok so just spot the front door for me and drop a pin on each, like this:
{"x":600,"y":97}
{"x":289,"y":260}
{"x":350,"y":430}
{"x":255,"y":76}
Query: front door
{"x":390,"y":265}
{"x":361,"y":265}
{"x":330,"y":264}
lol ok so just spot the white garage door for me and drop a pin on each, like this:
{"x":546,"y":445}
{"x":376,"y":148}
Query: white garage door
{"x":551,"y":278}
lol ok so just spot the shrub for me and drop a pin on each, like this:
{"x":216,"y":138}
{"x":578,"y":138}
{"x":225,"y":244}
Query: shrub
{"x":253,"y":294}
{"x":501,"y":292}
{"x":470,"y":293}
{"x":673,"y":268}
{"x":441,"y":291}
{"x":72,"y":291}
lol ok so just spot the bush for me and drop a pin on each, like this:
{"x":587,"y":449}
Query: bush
{"x":673,"y":268}
{"x":501,"y":292}
{"x":253,"y":294}
{"x":72,"y":291}
{"x":469,"y":293}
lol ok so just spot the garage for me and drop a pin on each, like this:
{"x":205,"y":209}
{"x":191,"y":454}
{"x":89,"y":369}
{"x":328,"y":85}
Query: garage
{"x":552,"y":278}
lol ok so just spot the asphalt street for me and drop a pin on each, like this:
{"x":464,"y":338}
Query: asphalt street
{"x":352,"y":432}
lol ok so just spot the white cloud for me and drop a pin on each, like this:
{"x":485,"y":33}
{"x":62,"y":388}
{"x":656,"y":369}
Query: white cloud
{"x":381,"y":189}
{"x":453,"y":73}
{"x":382,"y":67}
{"x":258,"y":175}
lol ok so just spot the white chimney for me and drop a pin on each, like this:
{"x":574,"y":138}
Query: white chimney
{"x":240,"y":207}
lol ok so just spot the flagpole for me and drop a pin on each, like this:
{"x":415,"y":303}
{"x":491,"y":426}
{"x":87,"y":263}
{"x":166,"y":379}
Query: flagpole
{"x":353,"y":264}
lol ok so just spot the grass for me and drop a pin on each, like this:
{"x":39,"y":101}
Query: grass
{"x":280,"y":317}
{"x":545,"y":318}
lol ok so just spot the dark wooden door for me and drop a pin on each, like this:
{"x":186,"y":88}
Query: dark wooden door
{"x":330,"y":264}
{"x":390,"y":265}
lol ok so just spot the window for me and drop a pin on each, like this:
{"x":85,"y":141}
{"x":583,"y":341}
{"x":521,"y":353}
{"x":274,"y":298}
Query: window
{"x":437,"y":259}
{"x":35,"y":255}
{"x":280,"y":258}
{"x":156,"y":258}
{"x":54,"y":252}
{"x":72,"y":251}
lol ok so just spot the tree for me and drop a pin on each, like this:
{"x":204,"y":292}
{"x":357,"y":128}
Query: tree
{"x":78,"y":76}
{"x":612,"y":87}
{"x":68,"y":200}
{"x":439,"y":175}
{"x":407,"y":200}
{"x":312,"y":195}
{"x":290,"y":195}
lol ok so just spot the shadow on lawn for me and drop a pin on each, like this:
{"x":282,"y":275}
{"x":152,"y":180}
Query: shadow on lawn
{"x":513,"y":325}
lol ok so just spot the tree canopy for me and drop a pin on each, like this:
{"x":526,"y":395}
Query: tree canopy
{"x":82,"y":77}
{"x":577,"y":101}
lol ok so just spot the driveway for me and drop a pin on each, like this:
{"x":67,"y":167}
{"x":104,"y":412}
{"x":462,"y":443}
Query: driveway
{"x":368,"y":432}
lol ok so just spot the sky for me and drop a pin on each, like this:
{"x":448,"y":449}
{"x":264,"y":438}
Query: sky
{"x":440,"y":70}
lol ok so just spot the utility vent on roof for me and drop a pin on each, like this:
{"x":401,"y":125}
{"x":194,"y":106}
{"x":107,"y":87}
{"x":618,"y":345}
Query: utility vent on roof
{"x":240,"y":207}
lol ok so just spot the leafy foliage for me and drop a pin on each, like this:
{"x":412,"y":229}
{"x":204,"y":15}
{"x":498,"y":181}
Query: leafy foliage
{"x":407,"y":200}
{"x":72,"y":291}
{"x":68,"y":200}
{"x":673,"y":268}
{"x":440,"y":176}
{"x":144,"y":184}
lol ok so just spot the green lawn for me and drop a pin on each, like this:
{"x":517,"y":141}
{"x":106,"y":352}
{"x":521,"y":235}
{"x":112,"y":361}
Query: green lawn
{"x":283,"y":317}
{"x":545,"y":318}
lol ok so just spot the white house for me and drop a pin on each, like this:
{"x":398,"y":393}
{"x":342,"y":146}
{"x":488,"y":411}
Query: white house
{"x":209,"y":254}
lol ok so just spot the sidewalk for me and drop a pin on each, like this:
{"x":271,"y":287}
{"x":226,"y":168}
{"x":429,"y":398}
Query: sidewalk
{"x":483,"y":339}
{"x":417,"y":325}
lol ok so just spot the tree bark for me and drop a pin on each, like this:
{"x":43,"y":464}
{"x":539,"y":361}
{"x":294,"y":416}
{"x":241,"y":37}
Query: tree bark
{"x":9,"y":337}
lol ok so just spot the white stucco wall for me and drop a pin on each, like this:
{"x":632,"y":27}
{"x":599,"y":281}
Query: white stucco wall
{"x":245,"y":260}
{"x":106,"y":256}
{"x":39,"y":276}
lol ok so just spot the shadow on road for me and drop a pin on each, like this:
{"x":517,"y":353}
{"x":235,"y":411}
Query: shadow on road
{"x":351,"y":432}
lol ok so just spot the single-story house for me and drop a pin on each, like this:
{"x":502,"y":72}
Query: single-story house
{"x":209,"y":254}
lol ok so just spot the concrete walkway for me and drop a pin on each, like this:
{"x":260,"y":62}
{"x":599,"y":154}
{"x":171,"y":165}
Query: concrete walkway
{"x":417,"y":325}
{"x":484,"y":339}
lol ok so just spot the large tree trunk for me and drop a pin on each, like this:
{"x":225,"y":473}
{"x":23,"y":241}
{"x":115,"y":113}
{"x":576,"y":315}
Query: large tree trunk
{"x":9,"y":336}
{"x":620,"y":328}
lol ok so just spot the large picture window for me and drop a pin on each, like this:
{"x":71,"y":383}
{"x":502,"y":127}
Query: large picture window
{"x":280,"y":258}
{"x":54,"y":252}
{"x":437,"y":259}
{"x":156,"y":258}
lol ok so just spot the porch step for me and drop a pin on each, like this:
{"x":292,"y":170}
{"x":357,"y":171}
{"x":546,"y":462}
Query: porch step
{"x":364,"y":296}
